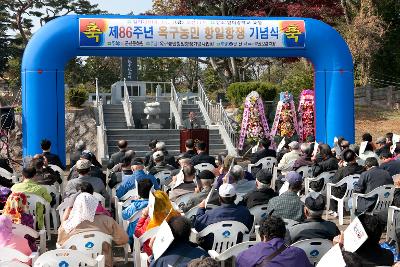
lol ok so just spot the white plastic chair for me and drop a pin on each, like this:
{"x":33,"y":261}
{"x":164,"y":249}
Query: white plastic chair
{"x":68,"y":257}
{"x":8,"y":256}
{"x":266,"y":163}
{"x":385,"y":198}
{"x":233,"y":251}
{"x":162,"y":177}
{"x":314,"y":248}
{"x":259,"y":212}
{"x":306,"y":171}
{"x":393,"y":222}
{"x":191,"y":212}
{"x":61,"y":172}
{"x":325,"y":175}
{"x":22,"y":230}
{"x":8,"y":175}
{"x":100,"y":198}
{"x":225,"y":234}
{"x":32,"y":202}
{"x":204,"y":166}
{"x":141,"y":259}
{"x":134,"y":217}
{"x":124,"y":201}
{"x":13,"y":264}
{"x":53,"y":212}
{"x":183,"y":199}
{"x":350,"y":181}
{"x":89,"y":243}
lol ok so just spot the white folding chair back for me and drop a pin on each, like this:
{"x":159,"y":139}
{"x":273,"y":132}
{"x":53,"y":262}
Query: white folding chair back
{"x":162,"y":177}
{"x":233,"y":251}
{"x":22,"y":230}
{"x":100,"y":198}
{"x":134,"y":217}
{"x":204,"y":166}
{"x":191,"y":212}
{"x":89,"y":243}
{"x":8,"y":255}
{"x":8,"y":175}
{"x":314,"y":248}
{"x":53,"y":189}
{"x":183,"y":199}
{"x":274,"y":177}
{"x":350,"y":181}
{"x":13,"y":264}
{"x":325,"y":175}
{"x":225,"y":234}
{"x":393,"y":222}
{"x":306,"y":171}
{"x":32,"y":202}
{"x":139,"y":257}
{"x":61,"y":172}
{"x":259,"y":212}
{"x":385,"y":198}
{"x":266,"y":163}
{"x":68,"y":258}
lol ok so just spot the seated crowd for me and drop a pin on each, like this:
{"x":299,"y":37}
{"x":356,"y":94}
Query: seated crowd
{"x":160,"y":191}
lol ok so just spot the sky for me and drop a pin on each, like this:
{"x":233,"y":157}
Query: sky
{"x":116,"y":7}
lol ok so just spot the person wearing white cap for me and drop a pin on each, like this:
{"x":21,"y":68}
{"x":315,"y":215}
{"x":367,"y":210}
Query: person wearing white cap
{"x":83,"y":168}
{"x":160,"y":163}
{"x":287,"y":161}
{"x":228,"y":211}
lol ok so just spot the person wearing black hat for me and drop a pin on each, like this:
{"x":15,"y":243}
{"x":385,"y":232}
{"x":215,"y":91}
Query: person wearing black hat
{"x":206,"y":179}
{"x":263,"y":152}
{"x":313,"y":226}
{"x":263,"y":192}
{"x":95,"y":167}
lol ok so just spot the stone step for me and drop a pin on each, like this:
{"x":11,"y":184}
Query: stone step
{"x":169,"y":146}
{"x":142,"y":153}
{"x":136,"y":142}
{"x":116,"y":125}
{"x":147,"y":138}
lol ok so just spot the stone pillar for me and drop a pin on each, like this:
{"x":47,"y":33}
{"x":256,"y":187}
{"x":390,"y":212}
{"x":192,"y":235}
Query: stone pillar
{"x":368,"y":95}
{"x":389,"y":96}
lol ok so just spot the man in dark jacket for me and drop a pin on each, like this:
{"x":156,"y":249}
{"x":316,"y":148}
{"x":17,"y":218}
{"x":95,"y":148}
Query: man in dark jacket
{"x":44,"y":175}
{"x":228,"y":211}
{"x":181,"y":251}
{"x":116,"y":157}
{"x":373,"y":178}
{"x":52,"y":159}
{"x":351,"y":167}
{"x":190,"y":153}
{"x":314,"y":226}
{"x":152,"y":147}
{"x":263,"y":193}
{"x":202,"y":156}
{"x":160,"y":163}
{"x":263,"y":152}
{"x":389,"y":164}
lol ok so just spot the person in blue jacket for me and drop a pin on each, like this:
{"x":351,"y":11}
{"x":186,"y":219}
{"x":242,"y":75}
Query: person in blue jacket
{"x":144,"y":187}
{"x":228,"y":211}
{"x":128,"y":181}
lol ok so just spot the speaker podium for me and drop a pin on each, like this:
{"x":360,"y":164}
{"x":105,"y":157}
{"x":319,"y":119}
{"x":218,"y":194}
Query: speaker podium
{"x":197,"y":135}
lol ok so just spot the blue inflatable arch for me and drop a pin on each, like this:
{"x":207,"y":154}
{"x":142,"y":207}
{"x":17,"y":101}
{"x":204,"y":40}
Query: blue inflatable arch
{"x":61,"y":40}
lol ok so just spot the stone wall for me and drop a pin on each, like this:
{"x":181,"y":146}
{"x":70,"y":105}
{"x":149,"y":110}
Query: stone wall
{"x":80,"y":124}
{"x":388,"y":97}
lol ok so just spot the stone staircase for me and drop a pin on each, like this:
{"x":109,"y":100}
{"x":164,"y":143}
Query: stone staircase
{"x":114,"y":117}
{"x":138,"y":139}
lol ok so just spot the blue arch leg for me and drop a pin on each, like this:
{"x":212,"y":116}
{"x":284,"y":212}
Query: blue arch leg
{"x":43,"y":111}
{"x":334,"y":106}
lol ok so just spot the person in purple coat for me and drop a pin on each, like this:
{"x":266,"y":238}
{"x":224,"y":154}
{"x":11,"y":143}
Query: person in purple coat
{"x":272,"y":251}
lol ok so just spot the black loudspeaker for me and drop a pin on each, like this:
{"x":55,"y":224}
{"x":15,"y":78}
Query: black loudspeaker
{"x":7,"y":118}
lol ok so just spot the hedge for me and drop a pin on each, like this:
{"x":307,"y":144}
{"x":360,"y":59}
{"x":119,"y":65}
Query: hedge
{"x":77,"y":96}
{"x":237,"y":92}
